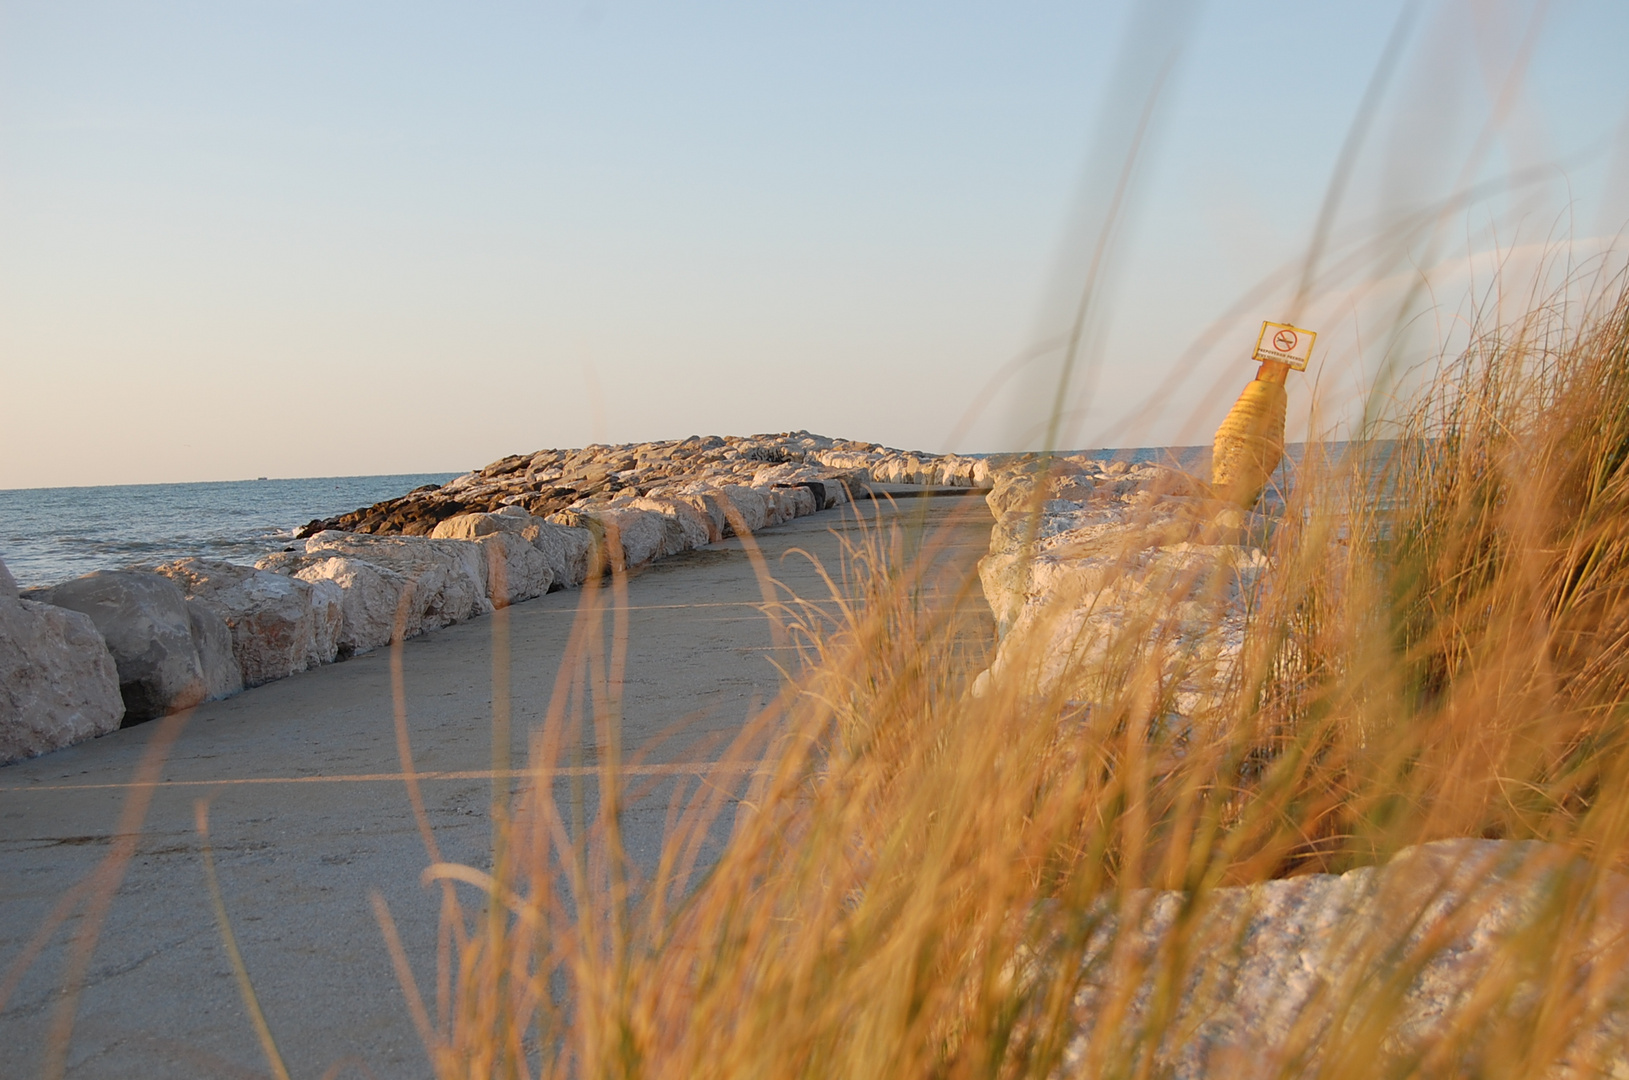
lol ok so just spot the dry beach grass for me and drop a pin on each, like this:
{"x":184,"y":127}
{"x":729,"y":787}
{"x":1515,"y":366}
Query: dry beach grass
{"x":1043,"y":880}
{"x":1360,"y":812}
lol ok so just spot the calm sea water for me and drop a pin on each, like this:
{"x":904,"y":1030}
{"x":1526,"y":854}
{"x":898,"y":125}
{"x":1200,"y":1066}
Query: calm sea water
{"x":49,"y":535}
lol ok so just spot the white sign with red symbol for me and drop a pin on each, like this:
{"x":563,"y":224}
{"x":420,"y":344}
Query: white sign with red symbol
{"x":1285,"y":344}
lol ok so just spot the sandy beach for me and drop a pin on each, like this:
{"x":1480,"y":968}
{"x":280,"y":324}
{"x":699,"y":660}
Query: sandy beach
{"x":308,"y":813}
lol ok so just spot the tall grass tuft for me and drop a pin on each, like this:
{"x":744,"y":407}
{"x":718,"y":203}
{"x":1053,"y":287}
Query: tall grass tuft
{"x":1037,"y":880}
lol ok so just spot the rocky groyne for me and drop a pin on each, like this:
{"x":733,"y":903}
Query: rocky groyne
{"x":122,"y":646}
{"x":550,"y":481}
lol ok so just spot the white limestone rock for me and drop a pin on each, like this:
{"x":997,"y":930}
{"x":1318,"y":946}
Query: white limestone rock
{"x":1437,"y":926}
{"x":709,"y":502}
{"x":684,"y":527}
{"x":212,"y":638}
{"x":567,"y":551}
{"x":564,"y":550}
{"x":1090,"y":566}
{"x":802,"y":500}
{"x":779,"y":507}
{"x":279,"y":625}
{"x":635,"y":536}
{"x":516,"y":569}
{"x":447,"y":577}
{"x":371,"y":607}
{"x":1178,"y":608}
{"x":748,"y":509}
{"x":169,"y":653}
{"x":58,"y":683}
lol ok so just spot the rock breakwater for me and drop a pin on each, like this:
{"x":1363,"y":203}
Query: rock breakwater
{"x":549,"y":481}
{"x":79,"y":658}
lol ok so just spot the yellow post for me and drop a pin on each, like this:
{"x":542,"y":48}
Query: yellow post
{"x":1250,"y":443}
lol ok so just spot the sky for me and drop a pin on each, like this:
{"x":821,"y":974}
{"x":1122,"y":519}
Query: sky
{"x":340,"y":238}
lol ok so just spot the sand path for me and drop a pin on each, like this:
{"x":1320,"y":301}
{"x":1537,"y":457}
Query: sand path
{"x":308,"y":814}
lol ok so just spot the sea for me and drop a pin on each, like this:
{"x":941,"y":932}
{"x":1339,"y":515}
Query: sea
{"x":48,"y":535}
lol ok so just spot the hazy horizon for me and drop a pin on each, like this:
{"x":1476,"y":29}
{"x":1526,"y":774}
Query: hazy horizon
{"x":354,"y":239}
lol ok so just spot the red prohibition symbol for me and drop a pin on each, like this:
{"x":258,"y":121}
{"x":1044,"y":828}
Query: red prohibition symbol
{"x":1285,"y":340}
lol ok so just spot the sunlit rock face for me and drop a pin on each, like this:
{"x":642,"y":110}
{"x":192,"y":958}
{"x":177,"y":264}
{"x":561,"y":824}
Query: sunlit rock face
{"x":171,"y":653}
{"x":517,"y":568}
{"x":279,"y":625}
{"x":1100,"y":567}
{"x":448,"y":577}
{"x":370,"y":597}
{"x":58,"y":682}
{"x":1438,"y":956}
{"x":793,"y":473}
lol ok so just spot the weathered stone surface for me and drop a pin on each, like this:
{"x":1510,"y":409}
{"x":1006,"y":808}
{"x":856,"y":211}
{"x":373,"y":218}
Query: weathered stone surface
{"x":636,"y":536}
{"x":1408,"y":946}
{"x":58,"y":683}
{"x":708,"y":502}
{"x":567,"y":551}
{"x":547,"y":482}
{"x":280,"y":625}
{"x":212,"y":638}
{"x":564,"y":549}
{"x":684,"y":527}
{"x":802,"y":500}
{"x":1093,"y":561}
{"x":149,"y":630}
{"x":370,"y":597}
{"x":747,"y":509}
{"x":516,"y":568}
{"x":1179,"y":608}
{"x":447,"y":577}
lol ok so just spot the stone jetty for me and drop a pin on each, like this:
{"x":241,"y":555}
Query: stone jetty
{"x":550,"y":481}
{"x":122,"y":646}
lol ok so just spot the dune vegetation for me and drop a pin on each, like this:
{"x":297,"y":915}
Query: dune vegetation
{"x":925,"y":881}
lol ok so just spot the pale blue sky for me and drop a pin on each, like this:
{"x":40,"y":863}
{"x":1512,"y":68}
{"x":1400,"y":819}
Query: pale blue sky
{"x":291,"y":239}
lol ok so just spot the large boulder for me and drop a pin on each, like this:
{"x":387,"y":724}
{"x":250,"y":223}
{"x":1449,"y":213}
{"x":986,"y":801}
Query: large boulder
{"x":805,"y":500}
{"x":370,"y":597}
{"x":631,"y":537}
{"x":748,"y":509}
{"x":684,"y":526}
{"x":279,"y":625}
{"x":706,"y":500}
{"x":170,"y":656}
{"x":58,"y":682}
{"x":213,"y":640}
{"x":567,"y":551}
{"x":448,"y":577}
{"x":1091,"y":566}
{"x":639,"y":536}
{"x":516,"y":569}
{"x":1432,"y":953}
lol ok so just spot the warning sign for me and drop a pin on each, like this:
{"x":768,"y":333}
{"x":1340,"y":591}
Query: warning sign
{"x":1285,"y":344}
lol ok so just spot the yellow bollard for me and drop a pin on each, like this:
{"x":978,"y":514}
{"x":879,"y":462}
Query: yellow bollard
{"x":1250,"y":443}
